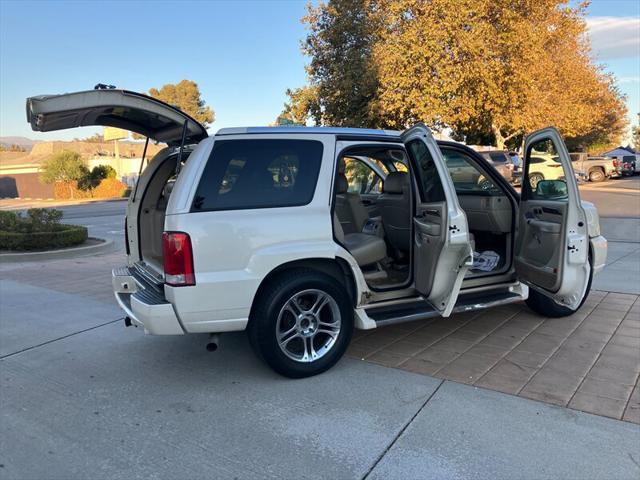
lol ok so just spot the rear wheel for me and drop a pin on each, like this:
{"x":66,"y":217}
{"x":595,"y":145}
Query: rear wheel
{"x":302,"y":324}
{"x":596,"y":175}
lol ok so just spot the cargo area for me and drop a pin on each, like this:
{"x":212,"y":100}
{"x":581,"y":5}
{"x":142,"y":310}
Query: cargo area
{"x":148,"y":210}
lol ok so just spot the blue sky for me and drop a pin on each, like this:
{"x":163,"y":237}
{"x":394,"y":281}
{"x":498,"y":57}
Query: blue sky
{"x":243,"y":54}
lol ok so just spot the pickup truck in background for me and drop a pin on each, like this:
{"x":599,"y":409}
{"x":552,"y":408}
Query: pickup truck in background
{"x":597,"y":169}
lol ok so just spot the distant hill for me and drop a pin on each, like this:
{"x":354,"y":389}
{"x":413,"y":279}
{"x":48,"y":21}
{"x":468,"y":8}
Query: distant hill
{"x":24,"y":142}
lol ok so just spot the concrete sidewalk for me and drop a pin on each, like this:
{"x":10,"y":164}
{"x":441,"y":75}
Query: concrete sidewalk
{"x":84,"y":397}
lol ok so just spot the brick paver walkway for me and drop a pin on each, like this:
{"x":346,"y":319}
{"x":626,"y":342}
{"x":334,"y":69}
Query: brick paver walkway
{"x":589,"y":361}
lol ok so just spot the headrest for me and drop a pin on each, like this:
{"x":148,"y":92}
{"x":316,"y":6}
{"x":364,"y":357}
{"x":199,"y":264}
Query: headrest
{"x":394,"y":182}
{"x":342,"y":183}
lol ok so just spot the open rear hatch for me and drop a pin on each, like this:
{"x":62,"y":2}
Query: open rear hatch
{"x":131,"y":111}
{"x":144,"y":115}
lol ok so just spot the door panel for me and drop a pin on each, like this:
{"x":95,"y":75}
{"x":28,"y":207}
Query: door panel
{"x":429,"y":239}
{"x":441,"y":247}
{"x":552,"y":241}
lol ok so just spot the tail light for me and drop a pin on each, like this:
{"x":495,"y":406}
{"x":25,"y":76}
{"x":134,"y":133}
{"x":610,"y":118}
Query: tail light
{"x":178,"y":259}
{"x":615,"y":163}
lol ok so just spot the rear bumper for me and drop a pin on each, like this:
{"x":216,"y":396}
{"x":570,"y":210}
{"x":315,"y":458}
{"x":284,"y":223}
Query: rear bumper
{"x":144,"y":303}
{"x":598,"y":253}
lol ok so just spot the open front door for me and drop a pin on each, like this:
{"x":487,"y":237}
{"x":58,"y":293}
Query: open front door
{"x":552,"y":243}
{"x":441,"y":248}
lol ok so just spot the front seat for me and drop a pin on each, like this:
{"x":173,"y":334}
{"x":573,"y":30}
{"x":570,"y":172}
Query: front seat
{"x":366,"y":249}
{"x":395,"y":209}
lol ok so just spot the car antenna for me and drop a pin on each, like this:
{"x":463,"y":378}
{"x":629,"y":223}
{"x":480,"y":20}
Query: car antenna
{"x":184,"y":137}
{"x":144,"y":154}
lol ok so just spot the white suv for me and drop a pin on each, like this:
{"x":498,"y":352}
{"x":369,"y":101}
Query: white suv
{"x":299,"y":235}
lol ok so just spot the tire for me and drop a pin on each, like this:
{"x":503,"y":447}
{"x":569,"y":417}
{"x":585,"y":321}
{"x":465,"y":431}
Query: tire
{"x":597,"y":175}
{"x":273,"y":319}
{"x":546,"y":307}
{"x":534,"y":178}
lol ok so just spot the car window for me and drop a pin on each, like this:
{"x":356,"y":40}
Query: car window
{"x":466,"y":177}
{"x":429,"y":183}
{"x":498,"y":157}
{"x":547,"y":183}
{"x":244,"y":174}
{"x":400,"y":167}
{"x":362,"y":179}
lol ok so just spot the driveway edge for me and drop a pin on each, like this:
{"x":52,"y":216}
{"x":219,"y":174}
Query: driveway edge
{"x":106,"y":245}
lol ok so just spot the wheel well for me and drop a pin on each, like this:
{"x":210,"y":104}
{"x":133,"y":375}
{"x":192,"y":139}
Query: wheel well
{"x":596,"y":168}
{"x":336,"y":268}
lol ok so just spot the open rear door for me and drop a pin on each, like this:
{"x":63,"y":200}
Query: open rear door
{"x":552,"y":243}
{"x":114,"y":108}
{"x":441,"y":248}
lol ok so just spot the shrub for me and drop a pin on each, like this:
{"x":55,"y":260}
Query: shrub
{"x":108,"y":188}
{"x":103,"y":171}
{"x":65,"y":166}
{"x":8,"y":221}
{"x":40,"y":229}
{"x":63,"y":236}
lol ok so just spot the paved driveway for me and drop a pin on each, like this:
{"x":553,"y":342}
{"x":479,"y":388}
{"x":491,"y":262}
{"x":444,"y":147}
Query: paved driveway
{"x":89,"y":398}
{"x":589,"y":361}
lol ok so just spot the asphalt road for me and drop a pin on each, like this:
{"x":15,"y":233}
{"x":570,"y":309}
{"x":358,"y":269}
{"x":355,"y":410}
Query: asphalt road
{"x":103,"y":219}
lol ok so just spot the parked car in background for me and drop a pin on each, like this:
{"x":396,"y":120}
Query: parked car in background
{"x":627,"y":165}
{"x":630,"y":164}
{"x":261,"y":229}
{"x":544,"y":166}
{"x":597,"y":169}
{"x":501,"y":161}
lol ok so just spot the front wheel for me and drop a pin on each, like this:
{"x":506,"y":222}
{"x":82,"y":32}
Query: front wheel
{"x":302,"y":324}
{"x":596,"y":175}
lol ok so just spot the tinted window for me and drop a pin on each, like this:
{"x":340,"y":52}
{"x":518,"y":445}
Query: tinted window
{"x":243,"y":174}
{"x":430,"y":187}
{"x":498,"y":157}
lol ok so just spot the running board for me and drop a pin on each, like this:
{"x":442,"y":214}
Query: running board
{"x":422,"y":310}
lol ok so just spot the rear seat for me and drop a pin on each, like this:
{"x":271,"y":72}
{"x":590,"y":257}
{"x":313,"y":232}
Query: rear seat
{"x":366,"y":249}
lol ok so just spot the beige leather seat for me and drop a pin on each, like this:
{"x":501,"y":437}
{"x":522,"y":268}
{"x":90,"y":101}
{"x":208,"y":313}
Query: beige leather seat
{"x":395,"y":209}
{"x":351,"y":212}
{"x":366,"y":249}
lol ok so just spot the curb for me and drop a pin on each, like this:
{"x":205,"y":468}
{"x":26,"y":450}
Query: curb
{"x":106,"y":245}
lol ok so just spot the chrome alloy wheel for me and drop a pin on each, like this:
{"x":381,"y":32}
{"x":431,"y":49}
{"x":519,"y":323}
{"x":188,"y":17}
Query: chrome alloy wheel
{"x":308,"y":325}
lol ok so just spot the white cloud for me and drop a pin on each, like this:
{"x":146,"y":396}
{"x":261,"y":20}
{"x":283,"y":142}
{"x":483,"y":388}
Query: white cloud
{"x":614,"y":37}
{"x":629,"y":80}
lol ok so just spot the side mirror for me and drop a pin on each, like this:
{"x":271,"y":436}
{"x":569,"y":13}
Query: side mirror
{"x":551,"y":190}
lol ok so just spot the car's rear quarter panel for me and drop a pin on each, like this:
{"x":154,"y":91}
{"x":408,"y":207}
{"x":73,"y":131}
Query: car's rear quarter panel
{"x":234,"y":250}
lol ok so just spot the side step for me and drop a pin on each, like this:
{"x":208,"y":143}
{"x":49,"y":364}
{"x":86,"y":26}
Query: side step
{"x":420,"y":309}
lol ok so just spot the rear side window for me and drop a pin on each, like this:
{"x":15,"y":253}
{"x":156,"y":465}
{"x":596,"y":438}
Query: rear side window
{"x":245,"y":174}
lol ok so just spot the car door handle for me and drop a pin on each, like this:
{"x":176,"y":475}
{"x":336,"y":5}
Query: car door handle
{"x":430,"y":211}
